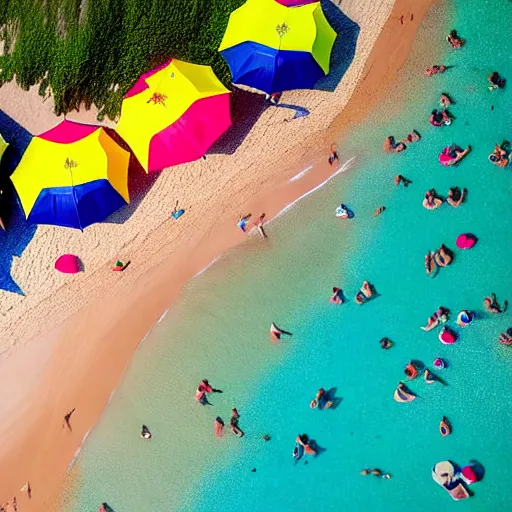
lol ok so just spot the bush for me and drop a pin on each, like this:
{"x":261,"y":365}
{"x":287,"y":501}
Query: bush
{"x":92,"y":51}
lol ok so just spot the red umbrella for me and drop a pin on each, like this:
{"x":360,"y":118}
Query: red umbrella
{"x":68,"y":264}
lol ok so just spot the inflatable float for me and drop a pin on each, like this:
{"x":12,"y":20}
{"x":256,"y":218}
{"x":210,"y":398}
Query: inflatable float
{"x":298,"y":452}
{"x":429,"y":377}
{"x":403,"y":394}
{"x":452,"y":155}
{"x":444,"y":474}
{"x":465,"y":317}
{"x":342,"y":212}
{"x":439,"y":363}
{"x":430,"y":264}
{"x":447,"y":336}
{"x":445,"y":427}
{"x":466,"y":241}
{"x":411,"y":372}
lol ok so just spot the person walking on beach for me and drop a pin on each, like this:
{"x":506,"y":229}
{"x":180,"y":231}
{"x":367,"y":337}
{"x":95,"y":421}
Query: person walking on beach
{"x":67,"y":419}
{"x":333,"y":155}
{"x":259,"y":226}
{"x":242,"y":222}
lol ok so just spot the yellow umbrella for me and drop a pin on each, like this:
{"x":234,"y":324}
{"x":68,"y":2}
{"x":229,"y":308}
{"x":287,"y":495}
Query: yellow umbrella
{"x":72,"y":175}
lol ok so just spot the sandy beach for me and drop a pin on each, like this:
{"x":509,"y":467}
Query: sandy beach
{"x":66,"y":343}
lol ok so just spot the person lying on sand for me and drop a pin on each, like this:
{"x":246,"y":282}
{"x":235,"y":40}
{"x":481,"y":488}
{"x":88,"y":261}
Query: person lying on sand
{"x":456,"y":196}
{"x":492,"y":306}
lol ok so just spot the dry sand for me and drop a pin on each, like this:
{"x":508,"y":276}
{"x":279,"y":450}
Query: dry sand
{"x":66,"y":343}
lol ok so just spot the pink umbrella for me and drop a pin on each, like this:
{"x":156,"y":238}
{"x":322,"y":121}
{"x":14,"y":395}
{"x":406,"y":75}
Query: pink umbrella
{"x":466,"y":241}
{"x":68,"y":264}
{"x":447,"y":336}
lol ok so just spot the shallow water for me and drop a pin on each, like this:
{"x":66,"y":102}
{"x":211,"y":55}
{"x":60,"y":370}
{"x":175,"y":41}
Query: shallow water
{"x":219,"y":328}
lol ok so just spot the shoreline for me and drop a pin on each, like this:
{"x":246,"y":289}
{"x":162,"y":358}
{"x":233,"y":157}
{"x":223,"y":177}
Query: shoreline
{"x":113,"y":337}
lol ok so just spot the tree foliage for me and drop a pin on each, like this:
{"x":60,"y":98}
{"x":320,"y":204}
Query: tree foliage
{"x":92,"y":51}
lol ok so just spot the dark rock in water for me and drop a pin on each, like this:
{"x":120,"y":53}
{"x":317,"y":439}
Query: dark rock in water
{"x":306,"y":462}
{"x":253,"y":470}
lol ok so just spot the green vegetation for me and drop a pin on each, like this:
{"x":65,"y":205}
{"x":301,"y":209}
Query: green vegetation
{"x":92,"y":51}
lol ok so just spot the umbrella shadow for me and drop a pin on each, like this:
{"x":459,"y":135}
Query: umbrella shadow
{"x":344,"y":47}
{"x":139,"y":183}
{"x":299,"y":111}
{"x":18,"y":232}
{"x":246,"y":109}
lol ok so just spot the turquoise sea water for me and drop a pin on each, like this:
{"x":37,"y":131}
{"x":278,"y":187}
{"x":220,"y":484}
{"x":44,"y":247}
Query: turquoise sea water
{"x":219,"y":328}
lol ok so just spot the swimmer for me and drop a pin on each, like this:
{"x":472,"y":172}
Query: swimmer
{"x":145,"y":432}
{"x":304,"y":440}
{"x":432,"y":200}
{"x":321,"y":401}
{"x":444,"y":256}
{"x":378,"y":211}
{"x":276,"y":333}
{"x":366,"y":472}
{"x":501,"y":154}
{"x":440,"y":118}
{"x":399,"y":179}
{"x":218,"y":427}
{"x":434,"y":70}
{"x":496,"y":81}
{"x":453,"y":154}
{"x":337,"y":296}
{"x":333,"y":155}
{"x":445,"y":100}
{"x":506,"y":338}
{"x":492,"y":306}
{"x":454,"y":39}
{"x":366,"y":292}
{"x":266,"y":437}
{"x":385,"y":343}
{"x":233,"y":423}
{"x":414,"y":136}
{"x":391,"y":146}
{"x":441,"y":315}
{"x":456,"y":196}
{"x":376,"y":472}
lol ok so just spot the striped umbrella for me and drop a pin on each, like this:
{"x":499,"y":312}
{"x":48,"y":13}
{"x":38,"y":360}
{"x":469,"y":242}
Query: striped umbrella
{"x":273,"y":48}
{"x":72,"y":175}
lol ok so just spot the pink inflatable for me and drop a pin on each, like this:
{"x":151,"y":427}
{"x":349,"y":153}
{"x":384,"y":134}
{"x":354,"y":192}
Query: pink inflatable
{"x":68,"y":264}
{"x":466,"y":241}
{"x":447,"y":336}
{"x":469,"y":475}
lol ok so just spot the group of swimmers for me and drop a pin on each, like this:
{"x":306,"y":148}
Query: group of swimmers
{"x":392,"y":146}
{"x":443,"y":257}
{"x":502,"y":154}
{"x":455,"y":198}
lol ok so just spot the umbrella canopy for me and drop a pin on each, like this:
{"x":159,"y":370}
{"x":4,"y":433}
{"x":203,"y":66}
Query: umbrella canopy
{"x":274,"y":48}
{"x":173,"y":114}
{"x":72,"y":175}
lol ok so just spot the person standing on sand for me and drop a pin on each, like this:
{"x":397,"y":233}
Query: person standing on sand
{"x":259,"y":225}
{"x":333,"y":155}
{"x":233,"y":423}
{"x":67,"y":419}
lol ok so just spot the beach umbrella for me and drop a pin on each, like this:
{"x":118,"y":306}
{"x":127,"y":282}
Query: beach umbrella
{"x":294,"y":3}
{"x":173,"y":114}
{"x":72,"y":175}
{"x":274,"y":48}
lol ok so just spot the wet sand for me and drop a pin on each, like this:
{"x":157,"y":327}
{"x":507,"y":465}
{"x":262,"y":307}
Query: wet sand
{"x":102,"y":316}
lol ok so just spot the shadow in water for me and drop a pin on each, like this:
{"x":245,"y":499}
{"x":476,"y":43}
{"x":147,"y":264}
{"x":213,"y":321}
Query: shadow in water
{"x":18,"y":232}
{"x":246,"y":108}
{"x":344,"y":47}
